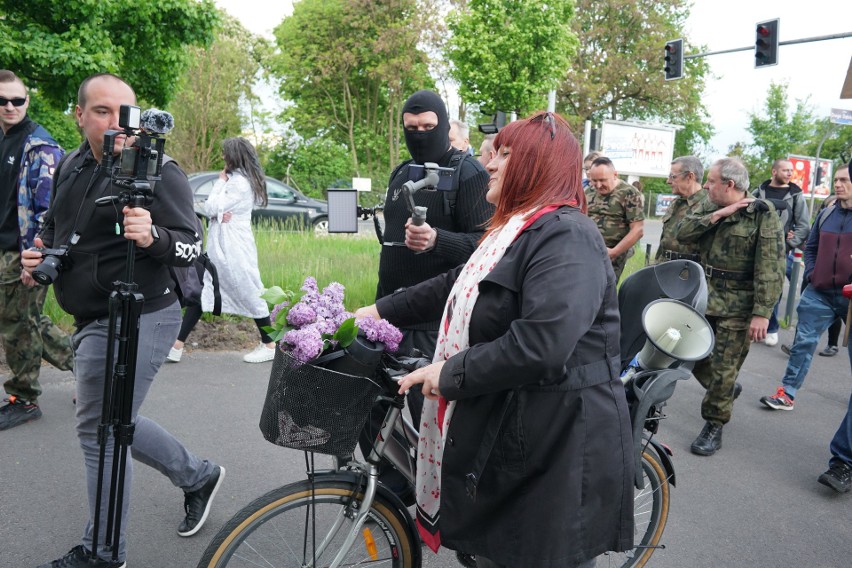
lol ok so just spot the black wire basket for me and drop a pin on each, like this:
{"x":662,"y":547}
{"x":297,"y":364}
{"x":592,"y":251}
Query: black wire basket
{"x":315,"y":409}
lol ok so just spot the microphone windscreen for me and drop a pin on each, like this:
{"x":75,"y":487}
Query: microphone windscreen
{"x":156,"y":121}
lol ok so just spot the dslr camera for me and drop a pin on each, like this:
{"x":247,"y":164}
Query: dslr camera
{"x":52,"y":262}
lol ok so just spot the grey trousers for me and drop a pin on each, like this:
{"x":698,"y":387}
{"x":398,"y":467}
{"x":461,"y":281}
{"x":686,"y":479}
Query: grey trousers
{"x":152,"y":445}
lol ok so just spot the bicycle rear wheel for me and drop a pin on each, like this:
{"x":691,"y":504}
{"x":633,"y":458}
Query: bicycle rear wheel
{"x":650,"y":514}
{"x":283,"y":529}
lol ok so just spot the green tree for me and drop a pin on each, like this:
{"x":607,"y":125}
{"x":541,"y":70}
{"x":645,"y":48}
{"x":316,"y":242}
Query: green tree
{"x":207,"y":105}
{"x":508,"y":54}
{"x":55,"y":44}
{"x":311,"y":166}
{"x":776,"y":132}
{"x":347,"y":66}
{"x":617,"y":72}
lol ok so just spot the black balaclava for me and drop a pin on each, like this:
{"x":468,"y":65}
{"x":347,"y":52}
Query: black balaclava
{"x":430,"y":145}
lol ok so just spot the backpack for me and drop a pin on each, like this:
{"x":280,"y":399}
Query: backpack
{"x":189,"y":280}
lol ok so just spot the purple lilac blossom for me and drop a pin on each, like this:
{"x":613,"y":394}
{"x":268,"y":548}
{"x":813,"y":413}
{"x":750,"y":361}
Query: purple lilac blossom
{"x":380,"y":330}
{"x":301,"y":314}
{"x":311,"y":292}
{"x":305,"y":344}
{"x":332,"y":297}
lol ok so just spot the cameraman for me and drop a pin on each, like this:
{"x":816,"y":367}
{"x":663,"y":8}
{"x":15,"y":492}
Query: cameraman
{"x":455,"y":220}
{"x":165,"y":235}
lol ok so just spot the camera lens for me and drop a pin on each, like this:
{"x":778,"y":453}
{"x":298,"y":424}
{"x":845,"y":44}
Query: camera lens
{"x":48,"y":270}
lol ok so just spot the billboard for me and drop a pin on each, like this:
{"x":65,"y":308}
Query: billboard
{"x":803,"y":174}
{"x":638,"y":149}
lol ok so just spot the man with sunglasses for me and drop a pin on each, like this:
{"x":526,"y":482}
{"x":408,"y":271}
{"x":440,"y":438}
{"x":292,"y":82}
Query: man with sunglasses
{"x":685,"y":179}
{"x":28,"y":157}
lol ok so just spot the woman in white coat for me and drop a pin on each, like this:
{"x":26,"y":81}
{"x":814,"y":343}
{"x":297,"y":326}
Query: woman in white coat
{"x":231,"y":247}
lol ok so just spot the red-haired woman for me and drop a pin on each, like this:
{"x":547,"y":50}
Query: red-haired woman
{"x":524,"y":455}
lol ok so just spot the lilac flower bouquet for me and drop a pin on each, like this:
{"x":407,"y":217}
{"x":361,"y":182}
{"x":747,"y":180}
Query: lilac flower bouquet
{"x":318,"y":321}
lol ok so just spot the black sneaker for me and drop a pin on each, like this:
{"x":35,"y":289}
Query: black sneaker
{"x":18,"y":412}
{"x":197,"y":504}
{"x":838,"y":476}
{"x":79,"y":556}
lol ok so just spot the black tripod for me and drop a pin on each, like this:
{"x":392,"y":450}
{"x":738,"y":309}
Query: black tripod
{"x":125,"y":309}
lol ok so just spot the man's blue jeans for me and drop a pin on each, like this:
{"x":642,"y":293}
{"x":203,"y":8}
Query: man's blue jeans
{"x":817,"y":310}
{"x":841,"y":444}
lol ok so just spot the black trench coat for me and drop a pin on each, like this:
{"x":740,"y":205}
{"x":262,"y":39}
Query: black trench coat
{"x":537,"y":469}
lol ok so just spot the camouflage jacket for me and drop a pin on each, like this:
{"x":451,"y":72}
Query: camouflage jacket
{"x":614,"y":212}
{"x":749,"y":242}
{"x":40,"y":155}
{"x":678,"y":209}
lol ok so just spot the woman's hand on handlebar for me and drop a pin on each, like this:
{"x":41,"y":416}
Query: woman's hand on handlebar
{"x":368,"y":311}
{"x":429,"y":377}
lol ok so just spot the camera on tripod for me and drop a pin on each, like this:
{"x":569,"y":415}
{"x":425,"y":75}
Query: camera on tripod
{"x":143,"y":160}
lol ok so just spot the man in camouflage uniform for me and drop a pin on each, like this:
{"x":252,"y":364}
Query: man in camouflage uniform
{"x":28,"y":157}
{"x":741,"y":244}
{"x":685,"y":179}
{"x":616,"y":208}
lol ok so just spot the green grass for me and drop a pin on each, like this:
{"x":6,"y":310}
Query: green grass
{"x":287,"y":257}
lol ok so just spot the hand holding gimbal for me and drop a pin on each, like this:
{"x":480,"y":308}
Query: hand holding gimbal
{"x":430,"y":181}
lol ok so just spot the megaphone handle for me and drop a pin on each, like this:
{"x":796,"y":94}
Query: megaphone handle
{"x":848,"y":321}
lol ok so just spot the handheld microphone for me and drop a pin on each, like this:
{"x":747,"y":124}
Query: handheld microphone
{"x":156,"y":121}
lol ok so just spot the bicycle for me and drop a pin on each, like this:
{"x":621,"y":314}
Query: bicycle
{"x":344,"y":516}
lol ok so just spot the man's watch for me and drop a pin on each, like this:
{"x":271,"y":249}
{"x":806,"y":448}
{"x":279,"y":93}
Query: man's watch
{"x":155,"y":233}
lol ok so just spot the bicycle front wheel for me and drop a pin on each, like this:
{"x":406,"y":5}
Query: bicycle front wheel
{"x":296,"y":526}
{"x":650,"y":514}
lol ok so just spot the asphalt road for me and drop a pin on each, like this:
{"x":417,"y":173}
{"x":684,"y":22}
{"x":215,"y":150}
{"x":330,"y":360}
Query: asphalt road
{"x":756,"y":503}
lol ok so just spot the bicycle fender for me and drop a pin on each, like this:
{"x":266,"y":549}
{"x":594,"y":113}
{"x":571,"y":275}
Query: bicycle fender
{"x":665,"y":456}
{"x":385,"y":493}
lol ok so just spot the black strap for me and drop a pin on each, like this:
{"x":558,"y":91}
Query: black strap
{"x":713,"y":272}
{"x":208,"y":265}
{"x":674,"y":255}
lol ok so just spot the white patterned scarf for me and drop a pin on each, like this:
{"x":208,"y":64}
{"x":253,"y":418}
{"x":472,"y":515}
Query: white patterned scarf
{"x":453,"y":338}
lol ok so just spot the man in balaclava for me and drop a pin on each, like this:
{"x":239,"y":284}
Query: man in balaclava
{"x":455,"y":221}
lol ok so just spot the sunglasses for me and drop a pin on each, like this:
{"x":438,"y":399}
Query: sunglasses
{"x":15,"y":102}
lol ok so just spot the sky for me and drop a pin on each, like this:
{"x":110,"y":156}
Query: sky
{"x":813,"y":71}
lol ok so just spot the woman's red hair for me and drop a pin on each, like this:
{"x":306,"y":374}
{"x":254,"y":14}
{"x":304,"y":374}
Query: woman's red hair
{"x":543,"y":169}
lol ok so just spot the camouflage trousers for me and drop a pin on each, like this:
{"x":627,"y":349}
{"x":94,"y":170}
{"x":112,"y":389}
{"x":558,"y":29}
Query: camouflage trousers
{"x":27,"y":335}
{"x":718,"y":372}
{"x":619,"y":262}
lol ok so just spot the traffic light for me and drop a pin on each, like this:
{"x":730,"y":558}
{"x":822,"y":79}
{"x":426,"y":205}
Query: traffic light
{"x":674,"y":59}
{"x":766,"y":43}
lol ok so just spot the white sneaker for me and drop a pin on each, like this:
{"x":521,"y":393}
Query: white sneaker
{"x":261,"y":354}
{"x":174,"y":355}
{"x":771,"y":339}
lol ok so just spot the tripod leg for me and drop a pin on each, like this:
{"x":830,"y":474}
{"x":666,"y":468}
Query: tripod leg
{"x":107,"y":421}
{"x":128,"y":351}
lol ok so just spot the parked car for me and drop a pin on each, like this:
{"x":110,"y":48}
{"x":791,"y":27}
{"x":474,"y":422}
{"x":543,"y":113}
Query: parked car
{"x":286,"y":205}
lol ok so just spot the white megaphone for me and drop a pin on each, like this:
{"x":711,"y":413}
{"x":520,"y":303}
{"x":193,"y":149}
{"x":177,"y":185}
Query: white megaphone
{"x":676,"y":332}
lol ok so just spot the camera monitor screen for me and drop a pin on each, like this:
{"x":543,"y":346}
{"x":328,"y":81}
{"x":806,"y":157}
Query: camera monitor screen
{"x":342,"y":211}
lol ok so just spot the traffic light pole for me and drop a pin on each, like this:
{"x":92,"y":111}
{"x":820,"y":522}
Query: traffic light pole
{"x":788,"y":42}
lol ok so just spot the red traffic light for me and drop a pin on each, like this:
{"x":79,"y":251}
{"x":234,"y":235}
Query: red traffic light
{"x":763,"y":30}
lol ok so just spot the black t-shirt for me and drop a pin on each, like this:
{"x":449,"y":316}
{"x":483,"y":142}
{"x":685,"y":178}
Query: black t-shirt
{"x":11,"y":147}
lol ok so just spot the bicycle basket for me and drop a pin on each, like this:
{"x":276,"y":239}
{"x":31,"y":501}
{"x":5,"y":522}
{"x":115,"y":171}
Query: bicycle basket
{"x":315,"y":409}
